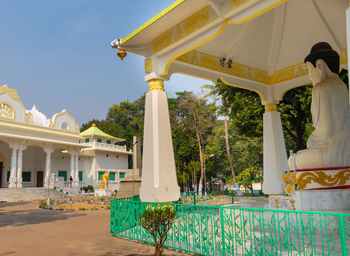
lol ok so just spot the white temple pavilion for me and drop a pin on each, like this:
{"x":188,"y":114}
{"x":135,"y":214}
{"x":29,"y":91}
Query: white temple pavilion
{"x":257,"y":45}
{"x":36,"y":151}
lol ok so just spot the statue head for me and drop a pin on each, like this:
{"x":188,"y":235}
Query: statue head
{"x":322,"y":62}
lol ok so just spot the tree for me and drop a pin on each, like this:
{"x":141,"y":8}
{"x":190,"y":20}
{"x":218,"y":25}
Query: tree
{"x":157,"y":220}
{"x":124,"y":120}
{"x":247,"y":110}
{"x":225,"y":111}
{"x":198,"y":117}
{"x":249,"y":176}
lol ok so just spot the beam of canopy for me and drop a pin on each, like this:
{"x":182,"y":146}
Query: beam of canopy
{"x":266,"y":40}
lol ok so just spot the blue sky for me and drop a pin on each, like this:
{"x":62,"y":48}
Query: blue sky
{"x":56,"y":54}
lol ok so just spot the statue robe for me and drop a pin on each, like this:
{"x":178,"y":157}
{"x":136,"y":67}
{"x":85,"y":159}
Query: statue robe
{"x":329,"y":143}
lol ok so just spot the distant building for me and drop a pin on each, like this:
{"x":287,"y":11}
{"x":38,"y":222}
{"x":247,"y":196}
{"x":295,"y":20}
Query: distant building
{"x":40,"y":152}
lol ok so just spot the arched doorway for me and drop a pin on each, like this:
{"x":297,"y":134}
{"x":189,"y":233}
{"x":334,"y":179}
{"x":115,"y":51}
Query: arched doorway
{"x":5,"y":153}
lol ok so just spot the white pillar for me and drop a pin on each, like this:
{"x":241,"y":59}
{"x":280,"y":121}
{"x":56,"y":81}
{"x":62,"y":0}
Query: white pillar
{"x":159,"y":181}
{"x":19,"y":167}
{"x":275,"y":156}
{"x":76,"y":172}
{"x":12,"y":180}
{"x":72,"y":167}
{"x":348,"y":36}
{"x":48,"y":167}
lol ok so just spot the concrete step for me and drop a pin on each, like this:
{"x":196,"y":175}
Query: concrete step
{"x":13,"y":194}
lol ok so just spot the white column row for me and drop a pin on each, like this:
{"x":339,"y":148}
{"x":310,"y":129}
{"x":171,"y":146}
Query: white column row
{"x":15,"y":180}
{"x":74,"y":167}
{"x":48,"y":152}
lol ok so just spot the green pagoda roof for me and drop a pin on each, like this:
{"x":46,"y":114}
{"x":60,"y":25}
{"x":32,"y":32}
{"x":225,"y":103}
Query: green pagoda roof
{"x":95,"y":131}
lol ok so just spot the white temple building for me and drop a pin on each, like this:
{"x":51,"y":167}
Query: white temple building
{"x":37,"y":152}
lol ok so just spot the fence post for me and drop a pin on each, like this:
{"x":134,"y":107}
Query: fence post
{"x":194,"y":197}
{"x":232,"y":197}
{"x":222,"y":231}
{"x":342,"y":235}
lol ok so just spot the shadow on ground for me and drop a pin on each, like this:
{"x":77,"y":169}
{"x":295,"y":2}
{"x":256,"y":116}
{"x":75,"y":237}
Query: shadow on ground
{"x":26,"y":217}
{"x":10,"y":204}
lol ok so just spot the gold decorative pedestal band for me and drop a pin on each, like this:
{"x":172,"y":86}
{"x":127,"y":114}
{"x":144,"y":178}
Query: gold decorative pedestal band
{"x":270,"y":107}
{"x":156,"y":85}
{"x":282,"y":202}
{"x":316,"y":179}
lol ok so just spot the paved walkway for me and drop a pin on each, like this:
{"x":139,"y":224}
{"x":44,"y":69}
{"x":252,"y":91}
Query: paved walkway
{"x":26,"y":230}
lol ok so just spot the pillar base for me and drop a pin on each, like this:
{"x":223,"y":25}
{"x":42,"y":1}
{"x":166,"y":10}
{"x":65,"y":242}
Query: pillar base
{"x":12,"y":185}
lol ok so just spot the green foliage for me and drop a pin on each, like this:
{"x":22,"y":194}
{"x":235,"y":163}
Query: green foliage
{"x":192,"y":122}
{"x":43,"y":204}
{"x":88,"y":189}
{"x":296,"y":117}
{"x":343,"y":74}
{"x":248,"y":176}
{"x":158,"y":221}
{"x":123,"y":120}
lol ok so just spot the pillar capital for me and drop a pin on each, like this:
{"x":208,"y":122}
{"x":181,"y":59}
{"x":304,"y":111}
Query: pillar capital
{"x":156,"y":85}
{"x":271,"y":107}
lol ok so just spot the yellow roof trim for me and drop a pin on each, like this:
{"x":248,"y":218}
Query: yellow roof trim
{"x":153,"y":20}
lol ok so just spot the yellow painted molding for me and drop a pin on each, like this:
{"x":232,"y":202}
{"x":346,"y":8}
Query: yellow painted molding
{"x":64,"y":112}
{"x":148,"y":65}
{"x":208,"y":39}
{"x":327,"y":178}
{"x":39,"y":140}
{"x":212,"y":62}
{"x":21,"y":125}
{"x":321,"y":178}
{"x":7,"y":111}
{"x":156,"y":85}
{"x":151,"y":21}
{"x":14,"y":95}
{"x":181,"y":30}
{"x":270,"y":107}
{"x":11,"y":92}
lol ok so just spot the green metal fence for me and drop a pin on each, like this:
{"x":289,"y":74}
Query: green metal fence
{"x":223,"y":197}
{"x":206,"y":197}
{"x":219,"y":230}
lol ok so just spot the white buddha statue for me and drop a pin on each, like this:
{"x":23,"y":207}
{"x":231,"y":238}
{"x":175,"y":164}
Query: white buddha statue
{"x":329,"y":144}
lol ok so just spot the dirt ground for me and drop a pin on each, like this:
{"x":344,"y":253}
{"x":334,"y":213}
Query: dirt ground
{"x":26,"y":230}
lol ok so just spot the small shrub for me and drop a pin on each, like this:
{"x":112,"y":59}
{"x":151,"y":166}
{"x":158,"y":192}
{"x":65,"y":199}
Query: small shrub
{"x":88,"y":189}
{"x":43,"y":204}
{"x":158,"y":221}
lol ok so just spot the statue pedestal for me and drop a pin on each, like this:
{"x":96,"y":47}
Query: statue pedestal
{"x":322,"y":200}
{"x":314,"y":190}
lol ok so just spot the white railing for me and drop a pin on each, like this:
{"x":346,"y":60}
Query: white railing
{"x":105,"y":146}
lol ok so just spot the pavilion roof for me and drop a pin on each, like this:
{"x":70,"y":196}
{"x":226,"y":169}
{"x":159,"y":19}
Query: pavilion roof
{"x":263,"y":42}
{"x":95,"y":131}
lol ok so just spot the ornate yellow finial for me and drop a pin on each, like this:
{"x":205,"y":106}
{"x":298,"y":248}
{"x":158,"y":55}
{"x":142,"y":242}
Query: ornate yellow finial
{"x":121,"y":54}
{"x":93,"y":125}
